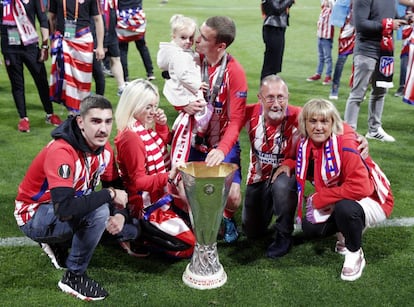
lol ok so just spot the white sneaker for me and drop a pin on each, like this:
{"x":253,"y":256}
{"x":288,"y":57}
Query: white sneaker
{"x":121,"y":89}
{"x":49,"y":251}
{"x":380,"y":135}
{"x":353,"y":265}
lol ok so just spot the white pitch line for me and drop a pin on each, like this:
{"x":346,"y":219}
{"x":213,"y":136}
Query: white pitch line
{"x":25,"y":241}
{"x":17,"y":241}
{"x":401,"y":222}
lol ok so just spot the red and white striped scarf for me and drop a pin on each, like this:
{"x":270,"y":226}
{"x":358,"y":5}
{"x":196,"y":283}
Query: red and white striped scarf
{"x":131,"y":25}
{"x":182,"y":134}
{"x":14,"y":14}
{"x":106,"y":6}
{"x":330,"y":170}
{"x":158,"y":158}
{"x":71,"y":71}
{"x":385,"y":67}
{"x":409,"y":81}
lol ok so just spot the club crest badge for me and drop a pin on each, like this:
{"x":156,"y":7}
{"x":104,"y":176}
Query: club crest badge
{"x":64,"y":171}
{"x":386,"y":65}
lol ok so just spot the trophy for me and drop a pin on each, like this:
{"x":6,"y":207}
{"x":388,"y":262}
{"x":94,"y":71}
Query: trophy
{"x":206,"y":189}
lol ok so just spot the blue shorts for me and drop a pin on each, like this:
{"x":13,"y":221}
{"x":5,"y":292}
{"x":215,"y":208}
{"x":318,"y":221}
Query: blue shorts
{"x":232,"y":157}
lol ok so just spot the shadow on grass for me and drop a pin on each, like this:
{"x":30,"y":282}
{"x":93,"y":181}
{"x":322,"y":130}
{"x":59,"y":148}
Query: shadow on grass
{"x":378,"y":243}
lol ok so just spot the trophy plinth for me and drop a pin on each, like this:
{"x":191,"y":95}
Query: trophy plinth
{"x":206,"y":189}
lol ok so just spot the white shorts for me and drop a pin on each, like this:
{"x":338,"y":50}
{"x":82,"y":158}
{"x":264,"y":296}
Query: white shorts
{"x":373,"y":211}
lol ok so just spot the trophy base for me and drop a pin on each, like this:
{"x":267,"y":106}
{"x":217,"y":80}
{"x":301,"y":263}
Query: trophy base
{"x":204,"y":282}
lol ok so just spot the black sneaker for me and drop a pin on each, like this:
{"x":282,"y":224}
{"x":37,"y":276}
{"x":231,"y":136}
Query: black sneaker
{"x":399,"y":92}
{"x":57,"y":254}
{"x":82,"y":287}
{"x":280,"y":247}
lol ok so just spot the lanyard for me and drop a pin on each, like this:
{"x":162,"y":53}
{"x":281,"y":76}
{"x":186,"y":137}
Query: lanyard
{"x":76,"y":9}
{"x":280,"y":140}
{"x":279,"y":149}
{"x":91,"y":183}
{"x":219,"y":79}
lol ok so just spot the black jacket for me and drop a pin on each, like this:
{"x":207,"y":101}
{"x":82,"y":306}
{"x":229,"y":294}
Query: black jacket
{"x":276,"y":12}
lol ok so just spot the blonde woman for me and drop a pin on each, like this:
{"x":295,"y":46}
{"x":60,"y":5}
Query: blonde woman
{"x":141,"y":144}
{"x":351,"y":193}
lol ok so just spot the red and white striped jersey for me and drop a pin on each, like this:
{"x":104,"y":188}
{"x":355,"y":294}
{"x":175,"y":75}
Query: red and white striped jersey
{"x":229,"y":106}
{"x":324,"y":27}
{"x":60,"y":165}
{"x":269,"y":146}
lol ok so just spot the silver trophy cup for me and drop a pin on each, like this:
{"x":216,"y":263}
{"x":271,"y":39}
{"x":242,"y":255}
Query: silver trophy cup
{"x":206,"y":189}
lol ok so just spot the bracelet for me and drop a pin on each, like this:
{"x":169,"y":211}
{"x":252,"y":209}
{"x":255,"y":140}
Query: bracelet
{"x":170,"y":181}
{"x":45,"y":47}
{"x":113,"y":191}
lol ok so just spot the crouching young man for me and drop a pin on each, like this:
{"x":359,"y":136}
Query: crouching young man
{"x":57,"y":204}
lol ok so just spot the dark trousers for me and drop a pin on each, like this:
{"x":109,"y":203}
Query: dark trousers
{"x":143,"y":51}
{"x":348,"y":218}
{"x":98,"y":76}
{"x":14,"y":65}
{"x":264,"y":200}
{"x":274,"y":39}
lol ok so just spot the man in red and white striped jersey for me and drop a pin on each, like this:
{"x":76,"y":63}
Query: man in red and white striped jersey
{"x":57,"y":204}
{"x":271,"y":186}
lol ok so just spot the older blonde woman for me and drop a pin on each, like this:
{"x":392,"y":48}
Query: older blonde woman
{"x":351,"y":193}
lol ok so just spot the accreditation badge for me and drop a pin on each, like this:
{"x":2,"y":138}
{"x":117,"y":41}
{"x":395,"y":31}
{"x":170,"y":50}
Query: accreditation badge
{"x":70,"y":29}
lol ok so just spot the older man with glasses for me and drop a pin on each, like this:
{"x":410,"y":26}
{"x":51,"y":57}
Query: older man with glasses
{"x":271,"y":190}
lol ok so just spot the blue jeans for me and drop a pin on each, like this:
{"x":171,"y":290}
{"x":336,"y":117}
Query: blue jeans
{"x":339,"y":67}
{"x":325,"y":56}
{"x":85,"y":233}
{"x":403,"y":69}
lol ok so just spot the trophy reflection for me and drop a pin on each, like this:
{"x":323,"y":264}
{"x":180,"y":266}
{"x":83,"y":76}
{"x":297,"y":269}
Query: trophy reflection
{"x":206,"y":189}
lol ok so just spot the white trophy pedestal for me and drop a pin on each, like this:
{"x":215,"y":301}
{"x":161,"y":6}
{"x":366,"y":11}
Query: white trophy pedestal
{"x":201,"y":282}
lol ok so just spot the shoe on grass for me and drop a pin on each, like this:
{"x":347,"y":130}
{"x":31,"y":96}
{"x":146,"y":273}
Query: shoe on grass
{"x":280,"y":246}
{"x":121,"y":89}
{"x":57,"y":254}
{"x":327,"y":80}
{"x":380,"y":135}
{"x":333,"y":95}
{"x":230,"y":230}
{"x":24,"y":125}
{"x":353,"y":265}
{"x":82,"y":287}
{"x":399,"y":92}
{"x":315,"y":77}
{"x":53,"y":119}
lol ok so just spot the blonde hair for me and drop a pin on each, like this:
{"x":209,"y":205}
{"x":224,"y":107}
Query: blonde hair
{"x":320,"y":107}
{"x":180,"y":22}
{"x":135,"y":97}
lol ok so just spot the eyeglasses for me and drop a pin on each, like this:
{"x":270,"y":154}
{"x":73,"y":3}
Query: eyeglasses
{"x":272,"y":99}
